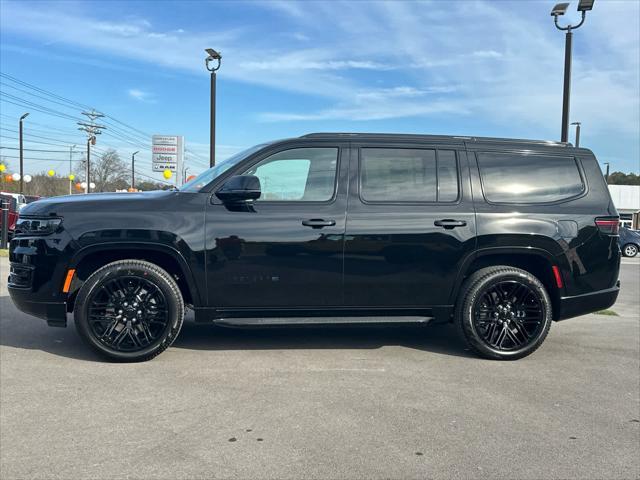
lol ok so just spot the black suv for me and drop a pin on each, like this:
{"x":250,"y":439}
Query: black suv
{"x":498,"y":236}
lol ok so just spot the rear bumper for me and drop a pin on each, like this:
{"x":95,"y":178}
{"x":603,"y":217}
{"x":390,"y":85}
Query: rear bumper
{"x":588,"y":303}
{"x":55,"y":313}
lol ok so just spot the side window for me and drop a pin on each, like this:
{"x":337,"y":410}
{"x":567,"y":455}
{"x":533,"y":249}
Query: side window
{"x":298,"y":175}
{"x":408,"y":175}
{"x":520,"y":178}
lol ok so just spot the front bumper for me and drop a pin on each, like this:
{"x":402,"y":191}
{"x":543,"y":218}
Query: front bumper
{"x":36,"y":276}
{"x":55,"y":313}
{"x":577,"y":305}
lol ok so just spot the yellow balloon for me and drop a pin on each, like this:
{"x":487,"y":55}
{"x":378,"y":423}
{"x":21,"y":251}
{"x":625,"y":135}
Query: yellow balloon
{"x":167,"y":174}
{"x":72,"y":177}
{"x":2,"y":167}
{"x":51,"y":173}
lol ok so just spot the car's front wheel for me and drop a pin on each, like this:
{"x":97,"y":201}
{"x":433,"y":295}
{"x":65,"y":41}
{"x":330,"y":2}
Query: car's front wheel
{"x":129,"y":310}
{"x":503,"y":313}
{"x":630,"y":250}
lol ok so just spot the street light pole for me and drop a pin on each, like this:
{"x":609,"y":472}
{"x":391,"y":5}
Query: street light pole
{"x":559,"y":10}
{"x":133,"y":170}
{"x":21,"y":155}
{"x":213,"y":56}
{"x":566,"y":91}
{"x":577,"y":124}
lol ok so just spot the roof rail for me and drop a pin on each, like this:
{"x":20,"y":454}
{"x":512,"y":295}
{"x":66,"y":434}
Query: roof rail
{"x":354,"y":135}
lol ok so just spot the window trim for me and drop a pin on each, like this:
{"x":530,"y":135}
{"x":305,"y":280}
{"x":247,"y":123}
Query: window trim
{"x":529,"y":153}
{"x":339,"y":149}
{"x":456,"y":153}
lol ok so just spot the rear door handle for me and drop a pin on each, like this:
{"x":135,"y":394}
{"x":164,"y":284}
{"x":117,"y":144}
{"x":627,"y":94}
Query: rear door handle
{"x":318,"y":223}
{"x":448,"y":223}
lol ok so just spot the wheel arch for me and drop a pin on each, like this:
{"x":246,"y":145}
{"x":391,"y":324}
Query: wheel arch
{"x":89,"y":259}
{"x":536,"y":261}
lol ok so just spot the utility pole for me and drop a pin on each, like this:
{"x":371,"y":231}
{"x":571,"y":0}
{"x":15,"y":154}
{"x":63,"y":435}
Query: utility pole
{"x":71,"y":168}
{"x":606,"y":175}
{"x":91,"y":129}
{"x":577,"y":124}
{"x":21,"y":156}
{"x":213,"y":56}
{"x":133,"y":170}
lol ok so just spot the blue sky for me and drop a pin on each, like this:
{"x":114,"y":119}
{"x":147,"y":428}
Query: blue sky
{"x":458,"y":67}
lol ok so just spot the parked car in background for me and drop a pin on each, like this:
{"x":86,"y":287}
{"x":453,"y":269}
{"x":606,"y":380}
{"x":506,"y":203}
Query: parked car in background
{"x":32,"y":198}
{"x":21,"y":200}
{"x":13,"y":212}
{"x":500,"y":237}
{"x":629,"y":241}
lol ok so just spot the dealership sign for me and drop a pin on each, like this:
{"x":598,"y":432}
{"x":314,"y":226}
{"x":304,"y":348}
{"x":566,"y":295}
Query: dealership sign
{"x":167,"y":152}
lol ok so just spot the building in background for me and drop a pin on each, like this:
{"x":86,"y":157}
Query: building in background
{"x":626,"y":198}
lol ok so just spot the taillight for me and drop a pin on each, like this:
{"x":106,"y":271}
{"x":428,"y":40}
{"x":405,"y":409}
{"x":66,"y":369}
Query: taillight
{"x":608,"y":225}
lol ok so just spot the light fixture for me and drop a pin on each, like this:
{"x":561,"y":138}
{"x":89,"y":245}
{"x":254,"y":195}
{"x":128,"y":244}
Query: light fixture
{"x":215,"y":55}
{"x":585,"y":5}
{"x":559,"y":9}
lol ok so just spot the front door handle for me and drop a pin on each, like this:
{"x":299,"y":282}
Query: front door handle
{"x":318,"y":223}
{"x":448,"y":223}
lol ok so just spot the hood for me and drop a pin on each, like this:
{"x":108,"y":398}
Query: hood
{"x":98,"y":201}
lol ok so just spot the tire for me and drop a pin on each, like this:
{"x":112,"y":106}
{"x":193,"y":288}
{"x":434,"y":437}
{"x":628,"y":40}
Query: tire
{"x":137,"y":311}
{"x":630,"y":250}
{"x":521,"y":313}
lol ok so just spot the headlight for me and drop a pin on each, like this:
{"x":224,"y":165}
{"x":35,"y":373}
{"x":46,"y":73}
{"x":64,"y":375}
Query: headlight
{"x":37,"y":226}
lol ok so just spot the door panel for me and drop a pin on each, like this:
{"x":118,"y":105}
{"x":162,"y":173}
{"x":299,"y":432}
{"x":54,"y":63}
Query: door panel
{"x":402,"y":247}
{"x":284,"y":251}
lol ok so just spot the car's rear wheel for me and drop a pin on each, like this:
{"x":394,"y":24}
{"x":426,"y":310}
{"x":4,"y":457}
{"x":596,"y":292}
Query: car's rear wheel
{"x":630,"y":250}
{"x":129,"y":310}
{"x":503,"y":313}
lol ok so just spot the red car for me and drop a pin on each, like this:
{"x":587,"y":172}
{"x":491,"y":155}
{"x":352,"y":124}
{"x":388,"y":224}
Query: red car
{"x":13,"y":212}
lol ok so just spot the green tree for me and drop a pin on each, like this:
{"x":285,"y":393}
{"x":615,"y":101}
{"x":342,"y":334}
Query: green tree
{"x":619,"y":178}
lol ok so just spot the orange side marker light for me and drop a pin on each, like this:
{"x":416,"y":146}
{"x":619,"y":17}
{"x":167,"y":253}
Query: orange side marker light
{"x":67,"y":281}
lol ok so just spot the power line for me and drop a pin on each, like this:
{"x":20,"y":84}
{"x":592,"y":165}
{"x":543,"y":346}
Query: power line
{"x":37,"y":96}
{"x":42,"y":108}
{"x":21,"y":82}
{"x":40,"y":159}
{"x":34,"y":150}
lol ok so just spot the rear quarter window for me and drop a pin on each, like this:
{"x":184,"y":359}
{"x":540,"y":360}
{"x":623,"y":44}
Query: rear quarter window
{"x":525,"y":178}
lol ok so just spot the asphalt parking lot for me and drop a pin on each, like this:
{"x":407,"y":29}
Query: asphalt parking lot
{"x":324,"y":403}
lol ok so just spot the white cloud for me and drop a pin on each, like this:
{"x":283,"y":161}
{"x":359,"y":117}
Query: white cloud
{"x":141,"y":95}
{"x":475,"y":59}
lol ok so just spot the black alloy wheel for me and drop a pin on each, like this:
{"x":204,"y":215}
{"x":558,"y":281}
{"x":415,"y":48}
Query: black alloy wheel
{"x":503,"y":313}
{"x":508,"y":315}
{"x":128,"y":313}
{"x":129,"y":310}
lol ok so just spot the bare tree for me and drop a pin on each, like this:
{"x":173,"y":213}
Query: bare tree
{"x":108,"y":171}
{"x":45,"y":186}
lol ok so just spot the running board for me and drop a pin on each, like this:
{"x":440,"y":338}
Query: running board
{"x":264,"y":321}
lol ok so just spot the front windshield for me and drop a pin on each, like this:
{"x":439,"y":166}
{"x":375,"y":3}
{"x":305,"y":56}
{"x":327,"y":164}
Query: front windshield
{"x":212,"y":173}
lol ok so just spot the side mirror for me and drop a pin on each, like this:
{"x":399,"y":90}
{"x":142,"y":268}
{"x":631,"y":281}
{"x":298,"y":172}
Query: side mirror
{"x":240,"y":188}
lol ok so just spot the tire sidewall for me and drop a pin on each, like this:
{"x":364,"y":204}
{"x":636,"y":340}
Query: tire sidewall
{"x":635,"y":251}
{"x":113,"y":271}
{"x":475,"y":292}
